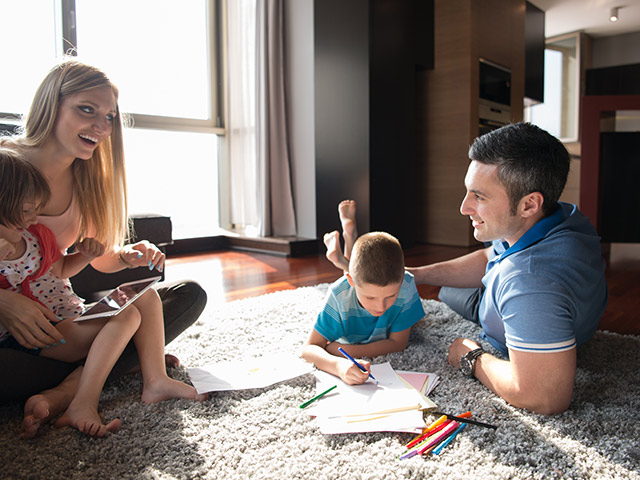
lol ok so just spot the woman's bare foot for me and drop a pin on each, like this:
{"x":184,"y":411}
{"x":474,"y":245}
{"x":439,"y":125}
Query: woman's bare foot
{"x":171,"y":361}
{"x":165,"y":388}
{"x":334,"y":255}
{"x":347,"y":213}
{"x":41,"y":408}
{"x":87,"y":421}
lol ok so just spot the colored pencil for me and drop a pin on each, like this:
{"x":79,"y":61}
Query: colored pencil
{"x":305,"y":404}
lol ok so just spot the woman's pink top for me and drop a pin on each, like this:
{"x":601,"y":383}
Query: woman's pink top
{"x":65,"y":226}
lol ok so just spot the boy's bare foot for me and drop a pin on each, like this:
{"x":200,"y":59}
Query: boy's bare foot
{"x":87,"y":421}
{"x":334,"y":255}
{"x":41,"y":408}
{"x":347,"y":212}
{"x":165,"y":388}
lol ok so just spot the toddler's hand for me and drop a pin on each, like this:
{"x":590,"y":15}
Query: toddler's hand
{"x":90,"y":247}
{"x":351,"y":374}
{"x":6,"y":249}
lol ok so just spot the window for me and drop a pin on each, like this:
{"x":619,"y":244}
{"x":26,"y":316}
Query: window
{"x":163,"y":57}
{"x":559,"y":114}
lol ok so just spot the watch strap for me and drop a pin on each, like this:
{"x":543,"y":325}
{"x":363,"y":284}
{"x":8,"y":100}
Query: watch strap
{"x":471,"y":357}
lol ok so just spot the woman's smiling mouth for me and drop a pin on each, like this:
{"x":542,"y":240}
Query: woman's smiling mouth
{"x":89,"y":139}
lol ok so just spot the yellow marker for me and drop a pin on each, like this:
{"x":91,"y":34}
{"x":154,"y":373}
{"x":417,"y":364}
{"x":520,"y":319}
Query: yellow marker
{"x":424,"y":433}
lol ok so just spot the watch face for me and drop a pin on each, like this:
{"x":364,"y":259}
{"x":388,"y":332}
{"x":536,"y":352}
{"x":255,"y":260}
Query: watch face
{"x":466,"y":366}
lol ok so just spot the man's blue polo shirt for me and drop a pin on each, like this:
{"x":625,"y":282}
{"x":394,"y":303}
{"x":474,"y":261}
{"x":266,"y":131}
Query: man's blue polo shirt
{"x":547,"y":292}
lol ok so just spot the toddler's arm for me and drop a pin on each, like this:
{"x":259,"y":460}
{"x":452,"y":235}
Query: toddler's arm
{"x":73,"y":263}
{"x":314,"y":351}
{"x":396,"y":342}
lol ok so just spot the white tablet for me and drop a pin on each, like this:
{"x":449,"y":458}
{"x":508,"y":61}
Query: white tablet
{"x":118,"y":299}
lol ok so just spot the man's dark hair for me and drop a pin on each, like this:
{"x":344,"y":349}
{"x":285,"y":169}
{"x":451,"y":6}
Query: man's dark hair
{"x":529,"y":160}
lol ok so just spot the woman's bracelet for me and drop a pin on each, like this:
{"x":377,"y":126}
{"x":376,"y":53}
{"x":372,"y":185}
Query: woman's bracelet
{"x":124,"y":261}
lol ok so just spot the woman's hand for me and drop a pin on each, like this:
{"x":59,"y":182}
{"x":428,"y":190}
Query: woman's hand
{"x":142,"y":254}
{"x":28,"y":321}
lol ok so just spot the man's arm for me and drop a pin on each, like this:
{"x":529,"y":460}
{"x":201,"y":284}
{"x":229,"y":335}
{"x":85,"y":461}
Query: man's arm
{"x":540,"y":382}
{"x":462,"y":272}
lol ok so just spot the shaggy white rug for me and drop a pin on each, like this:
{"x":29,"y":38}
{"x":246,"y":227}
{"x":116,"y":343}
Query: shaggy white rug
{"x":262,"y":434}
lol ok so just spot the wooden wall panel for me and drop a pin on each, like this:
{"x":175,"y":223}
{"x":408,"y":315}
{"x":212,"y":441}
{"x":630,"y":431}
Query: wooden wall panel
{"x":465,"y":30}
{"x":445,"y":121}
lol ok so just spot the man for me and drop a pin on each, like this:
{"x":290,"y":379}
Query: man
{"x":539,"y":290}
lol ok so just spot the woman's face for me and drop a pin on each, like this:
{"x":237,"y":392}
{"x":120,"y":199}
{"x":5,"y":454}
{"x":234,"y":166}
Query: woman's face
{"x":84,"y":120}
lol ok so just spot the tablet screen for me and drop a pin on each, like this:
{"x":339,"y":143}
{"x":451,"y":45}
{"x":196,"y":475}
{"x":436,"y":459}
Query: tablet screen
{"x":118,"y":299}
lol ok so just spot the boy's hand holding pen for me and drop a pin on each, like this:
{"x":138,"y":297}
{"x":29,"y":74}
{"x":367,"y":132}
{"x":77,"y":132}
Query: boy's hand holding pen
{"x":357,"y":372}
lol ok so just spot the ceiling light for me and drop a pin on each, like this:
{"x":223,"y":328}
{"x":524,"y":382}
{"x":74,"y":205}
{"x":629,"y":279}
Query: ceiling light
{"x":613,"y":16}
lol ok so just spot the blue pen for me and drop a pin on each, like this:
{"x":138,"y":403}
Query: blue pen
{"x":341,"y":350}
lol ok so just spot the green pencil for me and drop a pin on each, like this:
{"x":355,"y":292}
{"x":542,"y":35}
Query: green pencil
{"x":317,"y":397}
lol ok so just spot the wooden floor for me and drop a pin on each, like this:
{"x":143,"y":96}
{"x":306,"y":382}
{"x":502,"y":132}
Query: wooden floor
{"x":232,"y":275}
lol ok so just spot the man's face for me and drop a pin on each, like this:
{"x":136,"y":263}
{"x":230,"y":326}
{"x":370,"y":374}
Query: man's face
{"x":487,"y":205}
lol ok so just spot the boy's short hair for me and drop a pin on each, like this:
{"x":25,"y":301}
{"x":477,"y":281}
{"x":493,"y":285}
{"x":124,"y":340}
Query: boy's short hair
{"x":21,"y":183}
{"x":377,"y":259}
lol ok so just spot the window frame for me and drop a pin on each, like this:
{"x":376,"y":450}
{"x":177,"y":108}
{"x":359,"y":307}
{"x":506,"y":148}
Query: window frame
{"x":66,"y":43}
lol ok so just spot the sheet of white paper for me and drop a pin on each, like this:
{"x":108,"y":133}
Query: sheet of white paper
{"x":253,"y":373}
{"x":410,"y":421}
{"x":388,"y":405}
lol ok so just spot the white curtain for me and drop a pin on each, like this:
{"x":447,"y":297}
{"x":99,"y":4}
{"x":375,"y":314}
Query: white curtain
{"x":261,"y":196}
{"x":241,"y":128}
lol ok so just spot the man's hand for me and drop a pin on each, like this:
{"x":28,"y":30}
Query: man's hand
{"x":540,"y":382}
{"x":458,"y":348}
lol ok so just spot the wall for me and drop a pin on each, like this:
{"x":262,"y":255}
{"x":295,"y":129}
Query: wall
{"x":615,"y":50}
{"x":465,"y":30}
{"x":351,"y":85}
{"x":329,"y":111}
{"x":341,"y":96}
{"x":299,"y":82}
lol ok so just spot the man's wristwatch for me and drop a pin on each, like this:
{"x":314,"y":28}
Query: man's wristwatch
{"x":468,"y":361}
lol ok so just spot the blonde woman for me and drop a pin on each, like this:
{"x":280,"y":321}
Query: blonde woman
{"x":73,"y":136}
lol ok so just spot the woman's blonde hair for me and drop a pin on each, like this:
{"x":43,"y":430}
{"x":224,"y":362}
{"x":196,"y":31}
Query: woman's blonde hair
{"x":100,"y":183}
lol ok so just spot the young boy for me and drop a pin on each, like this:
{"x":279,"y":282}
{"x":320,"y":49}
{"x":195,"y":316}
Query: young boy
{"x":370,"y":310}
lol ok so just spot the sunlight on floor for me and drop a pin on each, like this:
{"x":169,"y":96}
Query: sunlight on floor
{"x":208,"y":273}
